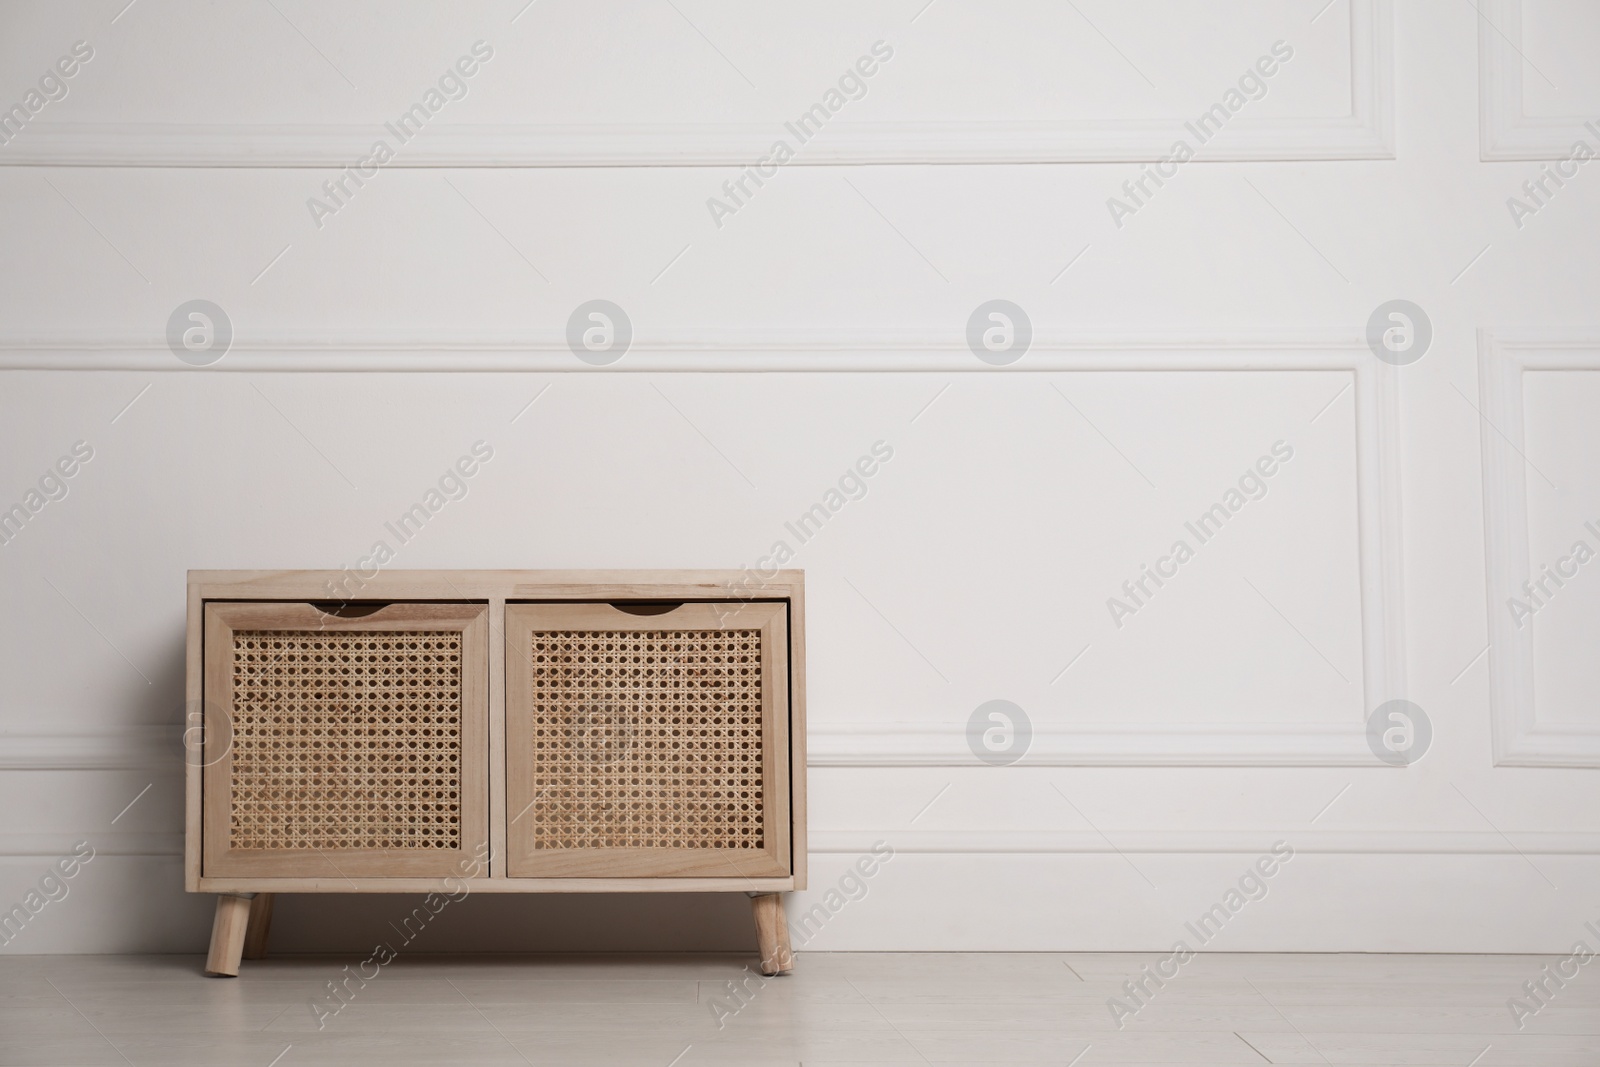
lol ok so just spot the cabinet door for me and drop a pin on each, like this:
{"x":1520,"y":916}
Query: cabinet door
{"x":347,"y":744}
{"x":650,"y":741}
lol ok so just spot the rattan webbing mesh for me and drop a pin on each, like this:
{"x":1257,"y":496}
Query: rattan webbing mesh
{"x":646,"y":739}
{"x":346,"y":740}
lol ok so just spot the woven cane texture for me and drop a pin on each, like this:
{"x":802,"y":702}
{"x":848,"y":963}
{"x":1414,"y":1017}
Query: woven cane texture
{"x":646,"y":739}
{"x":346,"y":740}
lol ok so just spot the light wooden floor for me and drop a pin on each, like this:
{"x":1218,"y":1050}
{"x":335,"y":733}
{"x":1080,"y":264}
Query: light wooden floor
{"x":839,"y":1008}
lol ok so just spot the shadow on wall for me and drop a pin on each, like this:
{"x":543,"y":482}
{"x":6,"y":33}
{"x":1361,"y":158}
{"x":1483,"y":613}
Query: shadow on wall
{"x":122,"y":903}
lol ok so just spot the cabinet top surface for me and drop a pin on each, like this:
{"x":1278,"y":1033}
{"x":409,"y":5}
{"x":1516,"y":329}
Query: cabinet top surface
{"x":377,"y":583}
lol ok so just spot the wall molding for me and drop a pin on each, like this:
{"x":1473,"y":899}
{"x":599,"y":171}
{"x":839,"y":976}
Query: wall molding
{"x":907,"y":351}
{"x":1505,"y":130}
{"x":52,"y":846}
{"x":773,"y":349}
{"x":1519,"y":739}
{"x":1367,"y":132}
{"x":48,"y":846}
{"x":156,"y":749}
{"x":1195,"y":842}
{"x":153,"y":748}
{"x":1220,"y":745}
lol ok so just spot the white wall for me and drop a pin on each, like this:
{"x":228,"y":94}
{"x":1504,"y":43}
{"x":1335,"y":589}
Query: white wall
{"x":826,"y":313}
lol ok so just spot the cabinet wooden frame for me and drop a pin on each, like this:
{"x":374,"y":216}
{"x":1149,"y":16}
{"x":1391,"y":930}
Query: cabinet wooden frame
{"x":492,"y":590}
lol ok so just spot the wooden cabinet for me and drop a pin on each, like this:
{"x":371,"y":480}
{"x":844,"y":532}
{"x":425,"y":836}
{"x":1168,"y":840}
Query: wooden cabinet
{"x":494,"y":731}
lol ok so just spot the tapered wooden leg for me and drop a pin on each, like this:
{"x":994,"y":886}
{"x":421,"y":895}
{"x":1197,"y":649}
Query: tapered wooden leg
{"x":772,"y":933}
{"x":227,"y":934}
{"x":255,"y":935}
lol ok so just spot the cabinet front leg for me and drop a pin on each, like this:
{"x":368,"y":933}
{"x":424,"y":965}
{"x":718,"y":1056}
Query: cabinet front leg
{"x":772,"y":933}
{"x":260,"y":925}
{"x":227,"y":934}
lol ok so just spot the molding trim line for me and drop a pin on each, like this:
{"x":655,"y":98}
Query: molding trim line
{"x":115,"y":844}
{"x":1014,"y":842}
{"x":1505,"y":131}
{"x":1519,"y":739}
{"x":944,"y":745}
{"x":1196,"y":842}
{"x":1366,"y":132}
{"x":136,"y":748}
{"x":704,"y":351}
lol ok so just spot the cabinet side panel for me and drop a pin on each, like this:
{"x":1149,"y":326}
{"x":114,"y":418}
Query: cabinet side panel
{"x":475,"y":690}
{"x":193,"y":734}
{"x":498,"y":648}
{"x":215,"y":755}
{"x":797,"y":727}
{"x":776,"y":741}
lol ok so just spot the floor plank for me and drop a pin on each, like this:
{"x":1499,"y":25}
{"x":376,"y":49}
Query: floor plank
{"x":837,"y":1009}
